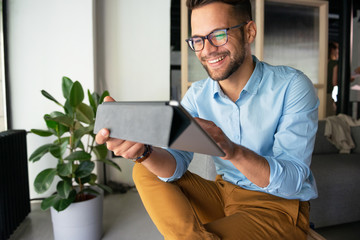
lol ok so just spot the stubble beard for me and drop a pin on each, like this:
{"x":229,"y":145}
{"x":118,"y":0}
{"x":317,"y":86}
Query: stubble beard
{"x":234,"y":65}
{"x":235,"y":62}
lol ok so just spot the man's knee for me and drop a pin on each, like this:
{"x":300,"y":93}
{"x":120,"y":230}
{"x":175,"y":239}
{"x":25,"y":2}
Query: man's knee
{"x":138,"y":173}
{"x":142,"y":175}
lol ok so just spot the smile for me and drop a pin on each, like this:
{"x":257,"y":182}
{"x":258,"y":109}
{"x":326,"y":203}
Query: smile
{"x":216,"y":60}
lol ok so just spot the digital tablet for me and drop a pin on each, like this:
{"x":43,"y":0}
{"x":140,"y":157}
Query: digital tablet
{"x":161,"y":124}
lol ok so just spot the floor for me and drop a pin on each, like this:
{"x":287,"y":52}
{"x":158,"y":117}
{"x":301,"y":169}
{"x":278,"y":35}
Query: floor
{"x":126,"y":218}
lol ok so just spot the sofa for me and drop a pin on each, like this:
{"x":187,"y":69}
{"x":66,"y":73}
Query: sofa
{"x":338,"y":181}
{"x":337,"y":177}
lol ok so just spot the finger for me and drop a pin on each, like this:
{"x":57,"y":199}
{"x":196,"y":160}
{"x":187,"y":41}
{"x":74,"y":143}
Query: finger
{"x":116,"y":145}
{"x":129,"y":150}
{"x":134,"y":151}
{"x":205,"y":123}
{"x":209,"y":126}
{"x":102,"y":136}
{"x":109,"y":99}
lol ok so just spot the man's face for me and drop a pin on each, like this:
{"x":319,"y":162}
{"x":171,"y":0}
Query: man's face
{"x":219,"y":62}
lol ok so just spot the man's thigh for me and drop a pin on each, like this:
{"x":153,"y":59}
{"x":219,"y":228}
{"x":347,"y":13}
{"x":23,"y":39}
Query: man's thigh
{"x":203,"y":195}
{"x":255,"y":224}
{"x":257,"y":215}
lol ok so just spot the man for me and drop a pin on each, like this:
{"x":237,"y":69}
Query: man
{"x":263,"y":117}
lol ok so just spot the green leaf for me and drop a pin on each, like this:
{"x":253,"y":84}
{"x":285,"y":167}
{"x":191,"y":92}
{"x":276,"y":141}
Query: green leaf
{"x":84,"y":113}
{"x":85,"y":168}
{"x":39,"y":152}
{"x":69,"y":110}
{"x":92,"y":102}
{"x":105,"y":93}
{"x":66,"y":87}
{"x":64,"y":188}
{"x":48,"y":96}
{"x":96,"y":98}
{"x":57,"y":150}
{"x":100,"y":151}
{"x":48,"y":202}
{"x":83,"y":130}
{"x":64,"y":169}
{"x":54,"y":126}
{"x":42,"y":133}
{"x":78,"y":155}
{"x":111,"y":163}
{"x":83,"y":180}
{"x":61,"y":119}
{"x":62,"y":140}
{"x":91,"y":191}
{"x":78,"y":144}
{"x":104,"y":187}
{"x":44,"y":180}
{"x":93,"y":179}
{"x":61,"y":204}
{"x":76,"y":94}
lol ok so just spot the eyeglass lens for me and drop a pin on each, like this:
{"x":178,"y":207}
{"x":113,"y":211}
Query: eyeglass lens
{"x":216,"y":38}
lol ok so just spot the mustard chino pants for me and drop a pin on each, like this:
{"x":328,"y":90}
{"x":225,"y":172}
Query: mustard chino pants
{"x":193,"y":208}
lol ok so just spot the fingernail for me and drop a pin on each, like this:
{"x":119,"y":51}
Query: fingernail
{"x":104,"y":133}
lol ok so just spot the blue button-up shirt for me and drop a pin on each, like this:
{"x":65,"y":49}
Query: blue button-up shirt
{"x":275,"y":116}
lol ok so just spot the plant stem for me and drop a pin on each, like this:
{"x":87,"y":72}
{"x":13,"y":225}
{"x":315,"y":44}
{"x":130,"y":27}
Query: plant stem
{"x":92,"y":144}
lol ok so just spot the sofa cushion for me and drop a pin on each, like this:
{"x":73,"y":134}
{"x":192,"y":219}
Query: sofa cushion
{"x":204,"y":166}
{"x":337,"y":178}
{"x":322,"y":144}
{"x":355,"y":134}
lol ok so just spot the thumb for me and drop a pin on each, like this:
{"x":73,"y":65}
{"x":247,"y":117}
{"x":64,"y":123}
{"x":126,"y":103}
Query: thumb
{"x":109,"y":99}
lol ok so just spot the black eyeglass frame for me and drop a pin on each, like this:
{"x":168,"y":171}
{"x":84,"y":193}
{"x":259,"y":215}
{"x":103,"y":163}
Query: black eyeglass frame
{"x":209,"y":39}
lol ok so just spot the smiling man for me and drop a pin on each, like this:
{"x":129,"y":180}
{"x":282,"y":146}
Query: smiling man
{"x":263,"y":117}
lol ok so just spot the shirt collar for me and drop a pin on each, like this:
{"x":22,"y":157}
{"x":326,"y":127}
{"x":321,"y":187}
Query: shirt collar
{"x":251,"y":86}
{"x":253,"y":83}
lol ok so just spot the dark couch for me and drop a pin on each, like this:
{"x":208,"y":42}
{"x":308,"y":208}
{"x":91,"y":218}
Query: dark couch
{"x":338,"y":180}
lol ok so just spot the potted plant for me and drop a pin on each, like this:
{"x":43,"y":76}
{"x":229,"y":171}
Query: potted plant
{"x":77,"y":183}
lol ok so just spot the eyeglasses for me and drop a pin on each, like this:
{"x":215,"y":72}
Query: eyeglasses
{"x":216,"y":38}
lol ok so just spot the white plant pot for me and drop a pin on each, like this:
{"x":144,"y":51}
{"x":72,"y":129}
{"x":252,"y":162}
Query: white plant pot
{"x":80,"y":221}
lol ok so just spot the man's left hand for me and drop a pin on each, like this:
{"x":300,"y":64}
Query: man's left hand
{"x":219,"y":136}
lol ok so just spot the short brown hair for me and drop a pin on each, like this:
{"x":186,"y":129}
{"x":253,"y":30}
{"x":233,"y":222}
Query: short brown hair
{"x":242,"y":7}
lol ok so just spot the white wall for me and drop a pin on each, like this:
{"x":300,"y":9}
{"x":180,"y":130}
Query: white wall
{"x":133,"y":49}
{"x":47,"y":39}
{"x":133,"y":56}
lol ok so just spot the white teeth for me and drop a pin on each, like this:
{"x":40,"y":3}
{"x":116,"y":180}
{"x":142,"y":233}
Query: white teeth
{"x":216,"y":60}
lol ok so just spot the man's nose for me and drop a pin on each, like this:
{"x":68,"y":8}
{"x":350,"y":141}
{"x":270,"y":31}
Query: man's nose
{"x":208,"y":47}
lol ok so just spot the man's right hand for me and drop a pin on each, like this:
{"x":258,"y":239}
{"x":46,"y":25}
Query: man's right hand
{"x":126,"y":149}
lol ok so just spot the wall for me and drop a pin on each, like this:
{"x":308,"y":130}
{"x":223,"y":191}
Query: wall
{"x":128,"y":54}
{"x":48,"y":39}
{"x":133,"y":49}
{"x":133,"y":56}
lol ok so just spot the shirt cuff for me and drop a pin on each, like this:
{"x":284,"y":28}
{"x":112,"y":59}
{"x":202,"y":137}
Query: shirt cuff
{"x":183,"y":160}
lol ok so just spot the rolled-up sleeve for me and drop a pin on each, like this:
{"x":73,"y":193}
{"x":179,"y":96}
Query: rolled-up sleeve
{"x":294,"y":141}
{"x":183,"y":160}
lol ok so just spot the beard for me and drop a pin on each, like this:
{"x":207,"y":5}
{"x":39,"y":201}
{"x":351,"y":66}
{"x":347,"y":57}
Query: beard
{"x":235,"y":62}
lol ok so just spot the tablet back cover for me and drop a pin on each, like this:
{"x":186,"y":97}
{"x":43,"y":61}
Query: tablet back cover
{"x":148,"y":123}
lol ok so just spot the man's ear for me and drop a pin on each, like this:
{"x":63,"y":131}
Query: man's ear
{"x":251,"y":31}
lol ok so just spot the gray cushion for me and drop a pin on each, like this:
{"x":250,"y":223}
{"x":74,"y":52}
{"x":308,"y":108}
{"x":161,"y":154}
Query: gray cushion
{"x":322,"y":144}
{"x":337,"y":178}
{"x":203,"y":165}
{"x":355,"y":134}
